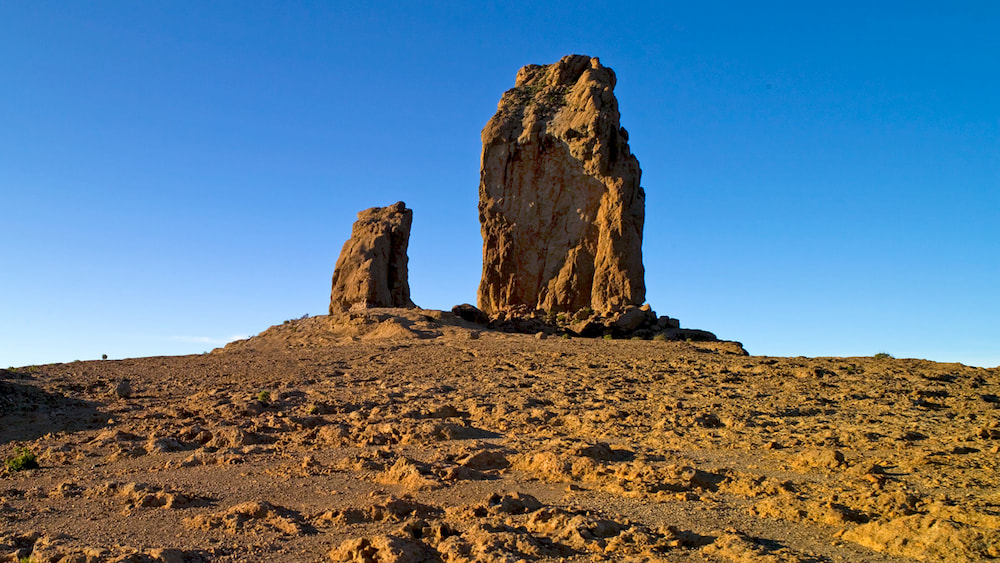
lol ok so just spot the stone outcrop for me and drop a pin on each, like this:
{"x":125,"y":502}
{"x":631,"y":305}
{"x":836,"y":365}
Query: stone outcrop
{"x":372,"y":268}
{"x":469,"y":313}
{"x":560,"y":205}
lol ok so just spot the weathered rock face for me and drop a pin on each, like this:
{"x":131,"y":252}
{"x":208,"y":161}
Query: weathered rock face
{"x":560,"y":205}
{"x":372,"y":268}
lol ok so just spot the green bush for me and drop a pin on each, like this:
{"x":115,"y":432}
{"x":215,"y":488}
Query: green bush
{"x":22,"y":459}
{"x":883,"y":356}
{"x":264,"y":397}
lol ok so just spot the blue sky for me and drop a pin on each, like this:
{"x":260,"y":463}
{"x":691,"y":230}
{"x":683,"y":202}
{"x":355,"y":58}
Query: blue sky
{"x":821,"y":180}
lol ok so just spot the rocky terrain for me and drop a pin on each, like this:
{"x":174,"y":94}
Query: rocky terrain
{"x":410,"y":435}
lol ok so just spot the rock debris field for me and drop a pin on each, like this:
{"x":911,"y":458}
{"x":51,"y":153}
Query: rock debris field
{"x":410,"y":435}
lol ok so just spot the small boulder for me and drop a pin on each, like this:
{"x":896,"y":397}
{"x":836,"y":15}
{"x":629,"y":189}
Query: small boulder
{"x":668,"y":323}
{"x":123,"y":389}
{"x":586,"y":328}
{"x":630,"y":319}
{"x":470,"y":313}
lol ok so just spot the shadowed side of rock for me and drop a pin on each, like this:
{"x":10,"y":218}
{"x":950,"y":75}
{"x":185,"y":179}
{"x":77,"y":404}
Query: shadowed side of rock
{"x":560,"y":205}
{"x":630,"y":322}
{"x":372,"y":270}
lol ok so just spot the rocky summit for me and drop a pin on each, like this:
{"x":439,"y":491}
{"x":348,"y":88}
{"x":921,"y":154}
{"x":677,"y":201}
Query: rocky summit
{"x":560,"y":205}
{"x":372,"y":268}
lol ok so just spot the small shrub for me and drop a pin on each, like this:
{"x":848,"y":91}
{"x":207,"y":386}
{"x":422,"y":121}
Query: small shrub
{"x":608,"y":337}
{"x":660,"y":337}
{"x":264,"y":397}
{"x":22,"y":459}
{"x":104,"y":356}
{"x":565,"y":336}
{"x":556,"y":97}
{"x":883,"y":356}
{"x":561,"y":317}
{"x":528,"y":93}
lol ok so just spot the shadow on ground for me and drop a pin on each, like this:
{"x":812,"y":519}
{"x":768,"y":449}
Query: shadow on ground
{"x":27,"y":412}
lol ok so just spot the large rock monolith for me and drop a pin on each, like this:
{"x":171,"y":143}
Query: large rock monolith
{"x":372,"y":268}
{"x":560,"y":206}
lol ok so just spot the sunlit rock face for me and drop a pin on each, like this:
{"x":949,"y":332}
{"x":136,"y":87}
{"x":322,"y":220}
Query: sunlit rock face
{"x":372,"y":270}
{"x":560,"y":206}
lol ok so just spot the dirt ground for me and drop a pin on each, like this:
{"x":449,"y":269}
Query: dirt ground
{"x":414,"y":436}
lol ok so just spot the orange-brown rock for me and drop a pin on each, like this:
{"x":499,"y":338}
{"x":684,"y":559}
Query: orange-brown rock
{"x":560,"y":205}
{"x":372,"y":268}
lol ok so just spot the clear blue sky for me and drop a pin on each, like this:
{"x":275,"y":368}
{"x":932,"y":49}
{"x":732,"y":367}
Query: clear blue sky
{"x":821,"y":178}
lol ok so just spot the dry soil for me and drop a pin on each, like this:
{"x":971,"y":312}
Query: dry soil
{"x":413,"y":436}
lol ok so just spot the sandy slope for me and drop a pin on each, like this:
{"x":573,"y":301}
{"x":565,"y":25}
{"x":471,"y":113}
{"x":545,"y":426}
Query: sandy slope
{"x":416,"y":437}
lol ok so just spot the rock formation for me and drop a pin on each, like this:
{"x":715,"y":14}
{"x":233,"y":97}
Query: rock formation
{"x":560,"y":206}
{"x":470,"y":313}
{"x":372,"y":268}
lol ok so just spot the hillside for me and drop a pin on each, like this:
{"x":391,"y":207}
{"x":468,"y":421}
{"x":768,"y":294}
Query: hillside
{"x":408,"y":435}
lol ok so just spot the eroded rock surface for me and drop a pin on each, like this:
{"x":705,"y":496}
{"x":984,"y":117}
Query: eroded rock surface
{"x":372,"y":270}
{"x":560,"y":205}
